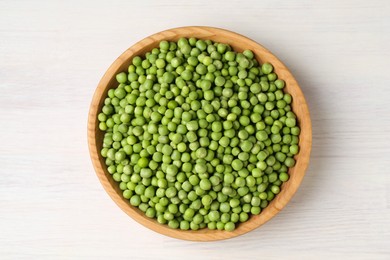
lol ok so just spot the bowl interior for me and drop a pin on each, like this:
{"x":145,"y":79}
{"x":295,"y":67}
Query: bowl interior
{"x":239,"y":44}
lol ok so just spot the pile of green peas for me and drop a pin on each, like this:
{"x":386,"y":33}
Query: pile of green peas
{"x":198,"y":135}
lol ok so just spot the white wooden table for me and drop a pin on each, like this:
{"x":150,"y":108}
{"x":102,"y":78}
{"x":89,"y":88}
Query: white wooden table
{"x":52,"y":55}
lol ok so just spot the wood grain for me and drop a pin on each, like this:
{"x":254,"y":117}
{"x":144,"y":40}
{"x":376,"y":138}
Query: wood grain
{"x":239,"y":43}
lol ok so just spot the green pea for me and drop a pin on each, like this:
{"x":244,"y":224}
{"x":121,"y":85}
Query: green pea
{"x":121,"y":77}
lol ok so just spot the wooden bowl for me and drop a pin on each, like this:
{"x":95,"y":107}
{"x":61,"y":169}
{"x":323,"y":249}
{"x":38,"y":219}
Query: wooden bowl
{"x":239,"y":43}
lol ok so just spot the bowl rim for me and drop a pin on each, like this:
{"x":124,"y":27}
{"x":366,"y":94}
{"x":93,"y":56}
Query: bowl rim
{"x":201,"y":32}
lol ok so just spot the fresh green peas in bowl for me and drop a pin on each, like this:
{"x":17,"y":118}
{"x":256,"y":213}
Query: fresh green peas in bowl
{"x":199,"y":133}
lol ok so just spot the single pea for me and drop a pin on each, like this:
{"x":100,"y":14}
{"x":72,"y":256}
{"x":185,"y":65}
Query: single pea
{"x":255,"y":210}
{"x":295,"y":130}
{"x":228,"y":178}
{"x":207,"y":200}
{"x":294,"y":149}
{"x":267,"y":68}
{"x":172,"y":170}
{"x":171,"y":192}
{"x":237,"y":164}
{"x":184,"y":225}
{"x":143,"y":162}
{"x":230,"y":56}
{"x":120,"y":156}
{"x":168,"y":77}
{"x":221,"y":48}
{"x":290,"y":122}
{"x":164,"y":45}
{"x":243,"y":216}
{"x":121,"y":77}
{"x":192,"y":125}
{"x":201,"y":45}
{"x":275,"y":189}
{"x":219,"y":81}
{"x":249,"y":54}
{"x":214,"y":215}
{"x":289,"y":162}
{"x":279,"y":83}
{"x":205,"y":184}
{"x":135,"y":200}
{"x":229,"y":226}
{"x":283,"y":176}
